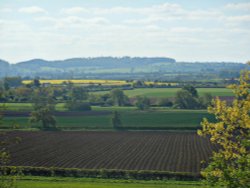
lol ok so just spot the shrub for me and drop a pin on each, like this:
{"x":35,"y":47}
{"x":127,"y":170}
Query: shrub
{"x":78,"y":106}
{"x":142,"y":103}
{"x":165,"y":102}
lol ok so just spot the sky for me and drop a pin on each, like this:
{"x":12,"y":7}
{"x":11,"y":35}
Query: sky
{"x":187,"y":30}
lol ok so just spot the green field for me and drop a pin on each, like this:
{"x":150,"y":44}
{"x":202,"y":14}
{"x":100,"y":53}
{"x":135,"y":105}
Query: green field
{"x":149,"y":92}
{"x":170,"y":92}
{"x":50,"y":182}
{"x":161,"y":118}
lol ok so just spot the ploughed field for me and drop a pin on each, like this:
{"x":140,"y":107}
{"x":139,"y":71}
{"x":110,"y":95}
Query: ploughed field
{"x":142,"y":150}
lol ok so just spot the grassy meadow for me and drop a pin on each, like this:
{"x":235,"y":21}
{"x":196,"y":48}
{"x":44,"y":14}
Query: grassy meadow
{"x":156,"y":118}
{"x":57,"y":182}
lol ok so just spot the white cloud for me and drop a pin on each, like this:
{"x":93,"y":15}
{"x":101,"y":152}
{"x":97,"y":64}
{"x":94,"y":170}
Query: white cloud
{"x":32,"y":10}
{"x":6,"y":10}
{"x":166,"y":7}
{"x":92,"y":31}
{"x":242,"y":18}
{"x":75,"y":10}
{"x":79,"y":22}
{"x":238,"y":6}
{"x":46,"y":19}
{"x":202,"y":15}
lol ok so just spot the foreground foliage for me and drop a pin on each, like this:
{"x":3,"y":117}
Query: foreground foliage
{"x":57,"y":182}
{"x":230,"y":166}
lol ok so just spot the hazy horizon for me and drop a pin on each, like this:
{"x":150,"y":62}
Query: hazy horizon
{"x":177,"y":61}
{"x":186,"y":31}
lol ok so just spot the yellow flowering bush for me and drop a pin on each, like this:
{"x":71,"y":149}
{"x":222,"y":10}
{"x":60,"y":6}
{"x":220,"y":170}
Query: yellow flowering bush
{"x":230,"y":165}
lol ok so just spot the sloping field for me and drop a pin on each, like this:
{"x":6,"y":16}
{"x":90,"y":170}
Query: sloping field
{"x":161,"y":151}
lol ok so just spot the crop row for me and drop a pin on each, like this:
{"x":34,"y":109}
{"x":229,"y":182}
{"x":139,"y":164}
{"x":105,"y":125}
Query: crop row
{"x":158,"y":151}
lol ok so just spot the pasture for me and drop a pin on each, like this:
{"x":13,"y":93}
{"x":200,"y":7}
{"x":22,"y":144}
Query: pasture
{"x":57,"y":182}
{"x":100,"y":118}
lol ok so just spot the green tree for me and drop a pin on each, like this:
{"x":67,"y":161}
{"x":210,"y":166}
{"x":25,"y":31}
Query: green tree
{"x":191,"y":90}
{"x":205,"y":100}
{"x":76,"y":100}
{"x":185,"y":100}
{"x":12,"y":82}
{"x":116,"y":120}
{"x":138,"y":83}
{"x":79,"y":94}
{"x":21,"y":93}
{"x":43,"y":108}
{"x":164,"y":102}
{"x":2,"y":95}
{"x":118,"y":97}
{"x":142,"y":103}
{"x":74,"y":105}
{"x":36,"y":82}
{"x":230,"y":165}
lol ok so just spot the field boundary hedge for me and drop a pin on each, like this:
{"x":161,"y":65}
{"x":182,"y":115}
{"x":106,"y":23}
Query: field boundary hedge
{"x":159,"y":128}
{"x":102,"y":173}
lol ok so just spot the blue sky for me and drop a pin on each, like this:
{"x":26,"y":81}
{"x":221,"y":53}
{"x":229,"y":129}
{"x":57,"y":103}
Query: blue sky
{"x":215,"y":30}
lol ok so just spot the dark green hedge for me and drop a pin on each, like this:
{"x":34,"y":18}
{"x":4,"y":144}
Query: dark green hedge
{"x":104,"y":173}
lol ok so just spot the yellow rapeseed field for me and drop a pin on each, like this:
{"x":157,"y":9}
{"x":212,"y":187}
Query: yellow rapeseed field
{"x":87,"y":82}
{"x":90,"y":82}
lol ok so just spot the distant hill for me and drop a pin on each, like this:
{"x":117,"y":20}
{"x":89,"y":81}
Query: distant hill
{"x":4,"y":67}
{"x":97,"y":61}
{"x":161,"y":68}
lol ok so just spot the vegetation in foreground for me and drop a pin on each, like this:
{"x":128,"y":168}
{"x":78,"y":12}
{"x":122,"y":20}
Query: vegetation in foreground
{"x":56,"y":182}
{"x":230,"y":165}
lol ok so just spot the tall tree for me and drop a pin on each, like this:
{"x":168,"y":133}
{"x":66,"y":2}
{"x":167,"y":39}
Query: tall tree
{"x":79,"y":93}
{"x":142,"y":102}
{"x":230,"y":165}
{"x":191,"y":90}
{"x":185,"y":100}
{"x":116,"y":120}
{"x":118,"y":97}
{"x":76,"y":99}
{"x":205,"y":100}
{"x":43,"y":107}
{"x":36,"y":82}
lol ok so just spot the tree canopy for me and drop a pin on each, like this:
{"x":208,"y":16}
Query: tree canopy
{"x":230,"y":165}
{"x":118,"y":97}
{"x":43,"y":105}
